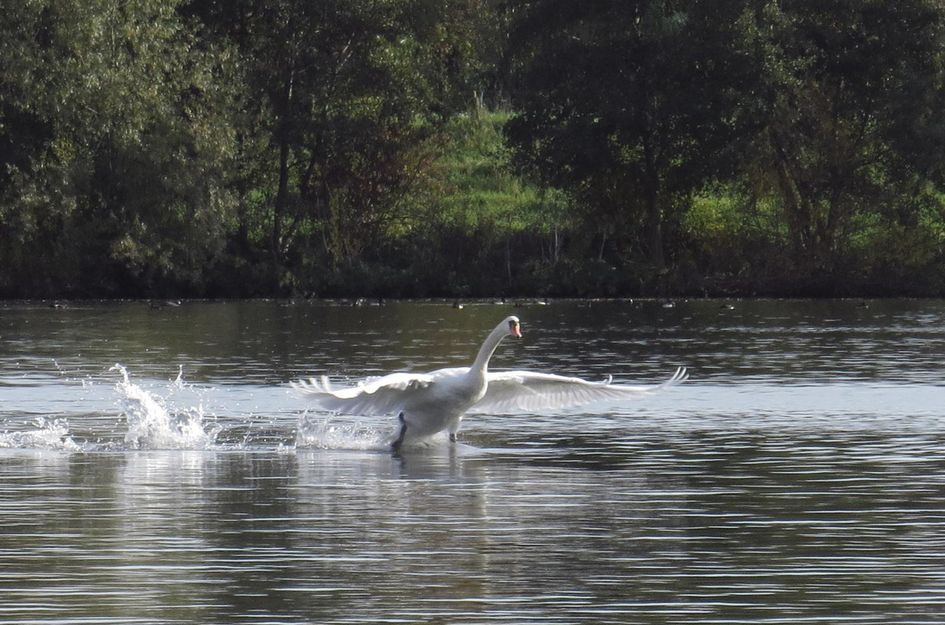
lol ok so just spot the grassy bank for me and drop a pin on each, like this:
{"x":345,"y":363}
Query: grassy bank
{"x":477,"y":229}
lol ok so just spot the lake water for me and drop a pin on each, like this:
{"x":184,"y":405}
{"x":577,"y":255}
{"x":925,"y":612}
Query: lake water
{"x":155,"y":467}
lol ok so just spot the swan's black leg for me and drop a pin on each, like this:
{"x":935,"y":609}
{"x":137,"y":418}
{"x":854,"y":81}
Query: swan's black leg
{"x":403,"y":432}
{"x":452,"y":437}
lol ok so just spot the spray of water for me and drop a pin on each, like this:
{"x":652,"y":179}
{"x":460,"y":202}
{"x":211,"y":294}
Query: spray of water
{"x":47,"y":434}
{"x":154,"y":425}
{"x":171,"y":415}
{"x":334,"y":432}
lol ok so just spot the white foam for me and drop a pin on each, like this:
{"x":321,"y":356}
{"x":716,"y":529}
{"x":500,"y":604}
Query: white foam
{"x":48,"y":434}
{"x":333,"y":432}
{"x":152,"y":424}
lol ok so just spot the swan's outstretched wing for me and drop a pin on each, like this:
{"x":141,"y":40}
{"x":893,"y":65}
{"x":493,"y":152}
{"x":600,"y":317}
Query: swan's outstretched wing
{"x":529,"y":391}
{"x":374,"y":396}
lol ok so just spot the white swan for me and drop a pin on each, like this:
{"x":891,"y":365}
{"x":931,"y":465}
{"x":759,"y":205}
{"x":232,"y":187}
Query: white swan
{"x":428,"y":403}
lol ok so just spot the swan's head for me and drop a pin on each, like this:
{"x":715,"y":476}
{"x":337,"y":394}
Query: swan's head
{"x":515,"y":327}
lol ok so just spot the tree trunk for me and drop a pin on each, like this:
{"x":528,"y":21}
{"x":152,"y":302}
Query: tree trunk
{"x":282,"y":194}
{"x":654,"y":235}
{"x":653,"y":223}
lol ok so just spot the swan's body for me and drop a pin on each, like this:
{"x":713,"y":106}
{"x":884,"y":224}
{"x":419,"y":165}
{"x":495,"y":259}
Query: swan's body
{"x":428,"y":403}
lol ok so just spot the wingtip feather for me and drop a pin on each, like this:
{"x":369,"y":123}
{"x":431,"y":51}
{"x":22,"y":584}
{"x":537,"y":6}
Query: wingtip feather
{"x":679,"y":376}
{"x":311,"y":386}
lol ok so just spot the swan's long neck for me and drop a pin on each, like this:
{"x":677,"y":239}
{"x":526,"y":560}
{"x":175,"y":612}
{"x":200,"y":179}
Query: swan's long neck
{"x":481,"y":364}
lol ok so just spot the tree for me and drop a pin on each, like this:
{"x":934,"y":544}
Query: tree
{"x":349,"y":92}
{"x":627,"y":104}
{"x":114,"y":181}
{"x":851,"y":100}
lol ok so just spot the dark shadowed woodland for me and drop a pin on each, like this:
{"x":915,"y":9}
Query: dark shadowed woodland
{"x":463,"y":148}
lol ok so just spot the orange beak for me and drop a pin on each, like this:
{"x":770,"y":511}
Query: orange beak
{"x":515,"y":330}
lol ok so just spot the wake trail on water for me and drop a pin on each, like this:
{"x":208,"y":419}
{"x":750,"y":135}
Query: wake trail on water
{"x":153,"y":424}
{"x":173,"y":416}
{"x":330,"y":432}
{"x":47,"y":434}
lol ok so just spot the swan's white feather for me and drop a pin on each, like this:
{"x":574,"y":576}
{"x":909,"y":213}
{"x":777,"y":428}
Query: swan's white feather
{"x":530,"y":391}
{"x":383,"y":395}
{"x":507,"y":391}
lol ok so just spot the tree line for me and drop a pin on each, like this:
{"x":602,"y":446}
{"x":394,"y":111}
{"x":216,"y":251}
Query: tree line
{"x":419,"y":148}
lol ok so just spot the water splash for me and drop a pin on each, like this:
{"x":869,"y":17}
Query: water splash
{"x":48,"y":434}
{"x":152,"y":424}
{"x":178,"y":382}
{"x":332,"y":432}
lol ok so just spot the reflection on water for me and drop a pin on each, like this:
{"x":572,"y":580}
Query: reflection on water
{"x":798,"y":477}
{"x":696,"y":528}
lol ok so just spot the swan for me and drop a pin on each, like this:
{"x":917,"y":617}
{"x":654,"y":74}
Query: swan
{"x":428,"y":403}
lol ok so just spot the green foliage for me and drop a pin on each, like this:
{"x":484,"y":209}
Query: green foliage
{"x":120,"y":182}
{"x":469,"y":229}
{"x":618,"y":105}
{"x":471,"y":147}
{"x":481,"y":191}
{"x":849,"y":108}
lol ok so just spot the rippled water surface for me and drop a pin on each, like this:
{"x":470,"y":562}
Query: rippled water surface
{"x":156,"y":468}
